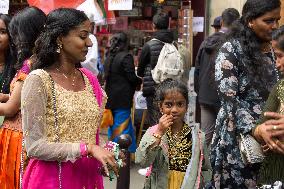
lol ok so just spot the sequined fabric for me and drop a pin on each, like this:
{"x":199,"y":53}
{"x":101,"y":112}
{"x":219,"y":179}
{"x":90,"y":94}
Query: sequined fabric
{"x":180,"y":149}
{"x":78,"y":112}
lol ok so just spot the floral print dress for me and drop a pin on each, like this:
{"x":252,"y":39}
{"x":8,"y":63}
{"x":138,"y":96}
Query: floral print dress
{"x":241,"y":107}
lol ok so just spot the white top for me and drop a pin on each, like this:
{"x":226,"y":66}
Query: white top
{"x":91,"y":62}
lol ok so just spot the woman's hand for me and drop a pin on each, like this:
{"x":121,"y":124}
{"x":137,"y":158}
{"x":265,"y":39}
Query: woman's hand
{"x":105,"y":157}
{"x":164,"y":123}
{"x":272,"y":132}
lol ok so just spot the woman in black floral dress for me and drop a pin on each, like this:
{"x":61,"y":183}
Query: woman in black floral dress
{"x":245,"y":73}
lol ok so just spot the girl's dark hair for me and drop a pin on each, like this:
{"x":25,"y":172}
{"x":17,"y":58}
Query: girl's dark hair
{"x":118,"y":43}
{"x":24,"y":28}
{"x":59,"y":22}
{"x":254,"y":60}
{"x":9,"y":71}
{"x":170,"y":85}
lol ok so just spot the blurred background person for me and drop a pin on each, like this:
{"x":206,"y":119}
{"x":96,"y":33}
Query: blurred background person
{"x":121,"y":83}
{"x":217,"y":24}
{"x":204,"y":74}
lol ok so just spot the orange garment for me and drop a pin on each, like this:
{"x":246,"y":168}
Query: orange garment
{"x":11,"y":141}
{"x":10,"y":159}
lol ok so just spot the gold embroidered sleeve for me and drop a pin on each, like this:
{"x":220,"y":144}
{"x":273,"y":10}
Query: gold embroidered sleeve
{"x":34,"y":103}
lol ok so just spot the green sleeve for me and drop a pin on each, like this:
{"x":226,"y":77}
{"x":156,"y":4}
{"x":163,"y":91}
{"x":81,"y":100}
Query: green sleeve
{"x":272,"y":103}
{"x":144,"y":155}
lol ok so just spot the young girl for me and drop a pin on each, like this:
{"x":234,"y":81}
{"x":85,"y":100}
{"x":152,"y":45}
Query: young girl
{"x":174,"y":150}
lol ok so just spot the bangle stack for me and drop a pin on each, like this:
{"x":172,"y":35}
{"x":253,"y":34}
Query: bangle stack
{"x":157,"y":136}
{"x":257,"y":134}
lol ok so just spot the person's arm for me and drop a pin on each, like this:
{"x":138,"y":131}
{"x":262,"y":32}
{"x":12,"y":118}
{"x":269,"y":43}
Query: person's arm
{"x":144,"y":59}
{"x":12,"y":106}
{"x":197,"y":68}
{"x":129,"y":70}
{"x":148,"y":150}
{"x":4,"y":97}
{"x":227,"y":80}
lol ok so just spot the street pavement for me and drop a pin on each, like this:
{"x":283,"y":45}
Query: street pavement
{"x":136,"y":180}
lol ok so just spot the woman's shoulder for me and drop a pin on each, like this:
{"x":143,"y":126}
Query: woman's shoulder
{"x":39,"y":72}
{"x":38,"y":75}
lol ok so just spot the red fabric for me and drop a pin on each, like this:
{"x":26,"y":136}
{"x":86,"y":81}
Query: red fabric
{"x":49,"y":5}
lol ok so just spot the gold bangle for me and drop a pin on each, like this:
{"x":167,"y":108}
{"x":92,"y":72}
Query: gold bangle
{"x":257,"y":133}
{"x":157,"y":136}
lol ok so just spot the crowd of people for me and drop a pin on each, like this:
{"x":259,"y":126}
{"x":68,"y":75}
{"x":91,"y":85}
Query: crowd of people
{"x":53,"y":103}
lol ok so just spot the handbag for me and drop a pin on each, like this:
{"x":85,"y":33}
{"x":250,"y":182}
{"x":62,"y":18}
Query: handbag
{"x":250,"y":150}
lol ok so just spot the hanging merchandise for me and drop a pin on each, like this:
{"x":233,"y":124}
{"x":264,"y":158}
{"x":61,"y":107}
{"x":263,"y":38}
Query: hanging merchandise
{"x":109,"y":15}
{"x":120,"y":4}
{"x":92,"y":7}
{"x":49,"y":5}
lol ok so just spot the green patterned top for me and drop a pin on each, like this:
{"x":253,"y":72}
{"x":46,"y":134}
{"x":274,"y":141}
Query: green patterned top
{"x":273,"y":165}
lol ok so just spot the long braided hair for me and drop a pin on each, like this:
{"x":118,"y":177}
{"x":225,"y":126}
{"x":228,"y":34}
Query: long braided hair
{"x":24,"y":28}
{"x":118,"y":43}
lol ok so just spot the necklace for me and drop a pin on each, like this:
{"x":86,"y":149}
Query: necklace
{"x":73,"y":77}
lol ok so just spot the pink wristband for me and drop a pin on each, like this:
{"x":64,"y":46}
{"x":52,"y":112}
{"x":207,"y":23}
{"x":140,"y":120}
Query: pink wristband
{"x":83,"y":149}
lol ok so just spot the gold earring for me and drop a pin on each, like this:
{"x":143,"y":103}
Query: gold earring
{"x":59,"y":47}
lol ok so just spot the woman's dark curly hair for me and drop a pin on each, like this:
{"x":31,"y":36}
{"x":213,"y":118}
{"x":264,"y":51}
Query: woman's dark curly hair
{"x":24,"y":29}
{"x":251,"y":45}
{"x":118,"y":43}
{"x":9,"y":70}
{"x":58,"y":23}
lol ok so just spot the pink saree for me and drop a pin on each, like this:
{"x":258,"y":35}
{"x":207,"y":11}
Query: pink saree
{"x":83,"y":173}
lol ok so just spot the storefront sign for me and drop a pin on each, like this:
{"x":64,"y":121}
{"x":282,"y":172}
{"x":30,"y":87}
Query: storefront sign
{"x":120,"y":4}
{"x":4,"y":6}
{"x":140,"y":100}
{"x":198,"y":24}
